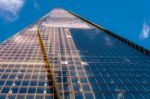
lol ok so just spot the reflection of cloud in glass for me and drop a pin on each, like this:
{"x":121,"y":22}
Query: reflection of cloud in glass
{"x":127,"y":60}
{"x":107,"y":41}
{"x":91,"y":33}
{"x":18,"y":39}
{"x":120,"y":94}
{"x":34,"y":28}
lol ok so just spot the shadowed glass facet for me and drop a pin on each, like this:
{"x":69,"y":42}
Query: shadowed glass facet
{"x":81,"y":62}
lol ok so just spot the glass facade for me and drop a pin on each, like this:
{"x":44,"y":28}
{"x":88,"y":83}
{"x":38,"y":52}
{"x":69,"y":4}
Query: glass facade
{"x":71,"y":59}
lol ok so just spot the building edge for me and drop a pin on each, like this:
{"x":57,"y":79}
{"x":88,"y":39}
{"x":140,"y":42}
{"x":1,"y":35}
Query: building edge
{"x":120,"y":38}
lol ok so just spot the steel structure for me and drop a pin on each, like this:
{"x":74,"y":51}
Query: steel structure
{"x":64,"y":56}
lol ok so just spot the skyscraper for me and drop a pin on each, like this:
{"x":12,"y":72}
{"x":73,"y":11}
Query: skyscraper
{"x":64,"y":56}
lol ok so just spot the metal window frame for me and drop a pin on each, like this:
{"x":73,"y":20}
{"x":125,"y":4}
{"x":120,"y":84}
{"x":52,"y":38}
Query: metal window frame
{"x":120,"y":38}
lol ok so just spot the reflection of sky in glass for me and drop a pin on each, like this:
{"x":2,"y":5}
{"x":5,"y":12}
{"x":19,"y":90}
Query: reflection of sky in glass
{"x":86,"y":62}
{"x":115,"y":69}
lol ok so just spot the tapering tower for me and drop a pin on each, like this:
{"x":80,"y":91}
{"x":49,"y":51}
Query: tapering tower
{"x":64,"y":56}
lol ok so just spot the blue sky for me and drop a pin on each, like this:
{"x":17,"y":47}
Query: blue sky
{"x":128,"y":18}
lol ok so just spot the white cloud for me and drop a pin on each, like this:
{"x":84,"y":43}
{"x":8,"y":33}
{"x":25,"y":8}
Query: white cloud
{"x":145,"y":30}
{"x":9,"y":9}
{"x":36,"y":5}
